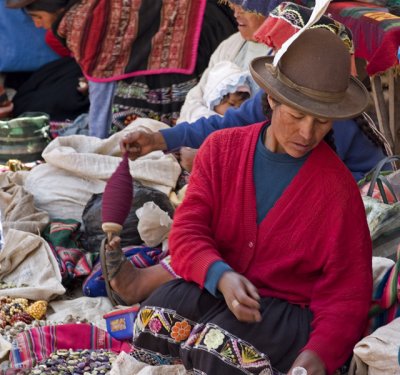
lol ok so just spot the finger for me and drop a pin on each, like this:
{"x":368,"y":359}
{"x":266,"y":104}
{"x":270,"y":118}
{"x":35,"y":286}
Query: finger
{"x":115,"y":242}
{"x":244,"y":313}
{"x":247,"y":300}
{"x":130,"y":138}
{"x":251,"y":289}
{"x":134,"y":148}
{"x":122,"y":146}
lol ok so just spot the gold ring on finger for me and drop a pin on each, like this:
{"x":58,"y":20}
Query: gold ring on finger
{"x":235,"y":303}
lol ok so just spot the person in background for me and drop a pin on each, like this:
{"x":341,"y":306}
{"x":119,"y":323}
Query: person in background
{"x":276,"y":272}
{"x":171,"y":41}
{"x":240,"y":49}
{"x":356,"y":143}
{"x":227,"y":86}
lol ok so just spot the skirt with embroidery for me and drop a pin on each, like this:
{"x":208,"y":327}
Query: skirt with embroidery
{"x":180,"y":323}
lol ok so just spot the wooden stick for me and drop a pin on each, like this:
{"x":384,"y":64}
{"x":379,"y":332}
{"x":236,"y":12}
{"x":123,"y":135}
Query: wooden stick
{"x":381,"y":109}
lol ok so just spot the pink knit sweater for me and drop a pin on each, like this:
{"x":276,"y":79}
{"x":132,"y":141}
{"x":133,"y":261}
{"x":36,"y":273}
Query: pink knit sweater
{"x":313,"y":248}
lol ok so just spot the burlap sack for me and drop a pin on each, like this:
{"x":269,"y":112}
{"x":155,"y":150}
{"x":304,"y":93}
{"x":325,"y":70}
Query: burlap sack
{"x":27,"y":262}
{"x":377,"y":354}
{"x":17,"y":205}
{"x":78,"y":166}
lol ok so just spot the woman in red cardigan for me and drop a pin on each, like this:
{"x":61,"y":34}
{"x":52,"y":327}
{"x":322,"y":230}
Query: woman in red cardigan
{"x":271,"y":240}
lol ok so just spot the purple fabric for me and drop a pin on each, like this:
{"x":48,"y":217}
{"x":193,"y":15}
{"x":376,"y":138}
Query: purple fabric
{"x":259,"y":6}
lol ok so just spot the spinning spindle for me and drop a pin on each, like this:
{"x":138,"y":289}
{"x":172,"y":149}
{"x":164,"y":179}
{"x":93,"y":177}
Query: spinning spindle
{"x":117,"y":199}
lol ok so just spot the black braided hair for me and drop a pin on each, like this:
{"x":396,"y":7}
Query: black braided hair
{"x":329,"y":137}
{"x":49,"y":6}
{"x":330,"y":140}
{"x":371,"y":132}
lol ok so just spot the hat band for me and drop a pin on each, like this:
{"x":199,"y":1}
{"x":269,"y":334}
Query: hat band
{"x":329,"y":97}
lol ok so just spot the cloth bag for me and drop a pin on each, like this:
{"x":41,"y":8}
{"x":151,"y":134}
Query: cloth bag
{"x":17,"y":205}
{"x":379,"y":190}
{"x":28,"y":262}
{"x":380,"y":184}
{"x":154,"y":224}
{"x":377,"y":354}
{"x":78,"y":166}
{"x":24,"y":137}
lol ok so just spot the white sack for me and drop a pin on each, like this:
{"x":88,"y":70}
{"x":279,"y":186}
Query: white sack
{"x":154,"y":224}
{"x":27,"y":259}
{"x":377,"y":354}
{"x":79,"y":166}
{"x":90,"y":308}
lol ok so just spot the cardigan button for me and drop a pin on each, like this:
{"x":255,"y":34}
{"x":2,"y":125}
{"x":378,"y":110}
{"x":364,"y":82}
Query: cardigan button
{"x":251,"y":244}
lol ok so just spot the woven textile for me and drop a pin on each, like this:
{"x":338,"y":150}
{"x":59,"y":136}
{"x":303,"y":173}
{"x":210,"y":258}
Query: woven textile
{"x":288,"y":18}
{"x":376,"y":33}
{"x":125,"y":38}
{"x":36,"y":344}
{"x":63,"y":238}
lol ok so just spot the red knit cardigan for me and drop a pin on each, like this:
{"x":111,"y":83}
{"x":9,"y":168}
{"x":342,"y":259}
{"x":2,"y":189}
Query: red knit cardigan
{"x":313,"y":247}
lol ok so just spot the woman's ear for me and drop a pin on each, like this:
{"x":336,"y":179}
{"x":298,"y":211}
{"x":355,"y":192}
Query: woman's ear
{"x":271,"y":101}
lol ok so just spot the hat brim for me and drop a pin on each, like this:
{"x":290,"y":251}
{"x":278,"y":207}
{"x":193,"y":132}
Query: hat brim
{"x":354,"y":102}
{"x":16,"y":4}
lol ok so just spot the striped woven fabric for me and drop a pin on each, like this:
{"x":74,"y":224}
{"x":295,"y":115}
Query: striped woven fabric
{"x":63,"y":237}
{"x":126,"y":38}
{"x":386,"y":299}
{"x":376,"y":33}
{"x":36,"y":344}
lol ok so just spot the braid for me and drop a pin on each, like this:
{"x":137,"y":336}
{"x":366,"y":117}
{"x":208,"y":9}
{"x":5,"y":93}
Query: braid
{"x":367,"y":126}
{"x":330,"y":140}
{"x":265,"y":106}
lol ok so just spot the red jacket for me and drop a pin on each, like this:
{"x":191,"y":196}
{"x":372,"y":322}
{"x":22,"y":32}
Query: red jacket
{"x":312,"y":248}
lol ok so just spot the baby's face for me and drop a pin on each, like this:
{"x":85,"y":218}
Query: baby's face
{"x":43,"y":19}
{"x":231,"y":100}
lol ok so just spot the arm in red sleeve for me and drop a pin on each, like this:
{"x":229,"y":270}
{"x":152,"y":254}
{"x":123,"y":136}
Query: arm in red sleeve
{"x":191,"y":241}
{"x":341,"y":298}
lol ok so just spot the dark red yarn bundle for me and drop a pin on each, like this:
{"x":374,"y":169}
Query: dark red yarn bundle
{"x":117,"y":197}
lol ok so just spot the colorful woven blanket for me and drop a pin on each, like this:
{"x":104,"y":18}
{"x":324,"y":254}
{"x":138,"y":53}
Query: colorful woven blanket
{"x":126,"y":38}
{"x":376,"y":33}
{"x":63,"y":237}
{"x":32,"y":346}
{"x":386,"y":299}
{"x":288,"y":18}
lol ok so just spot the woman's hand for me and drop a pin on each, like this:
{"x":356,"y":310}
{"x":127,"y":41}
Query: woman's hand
{"x":310,"y":361}
{"x":241,"y":296}
{"x":187,"y":155}
{"x":139,"y":143}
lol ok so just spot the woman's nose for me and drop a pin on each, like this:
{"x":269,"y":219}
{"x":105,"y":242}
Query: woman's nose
{"x":37,"y":23}
{"x":307,"y":129}
{"x":237,"y":10}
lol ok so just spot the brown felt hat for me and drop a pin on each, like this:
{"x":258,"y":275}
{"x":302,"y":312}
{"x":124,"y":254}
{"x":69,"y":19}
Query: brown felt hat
{"x":313,"y":76}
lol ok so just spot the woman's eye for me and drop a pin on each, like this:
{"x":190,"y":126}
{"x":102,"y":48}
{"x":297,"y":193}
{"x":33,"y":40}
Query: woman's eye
{"x":297,"y":117}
